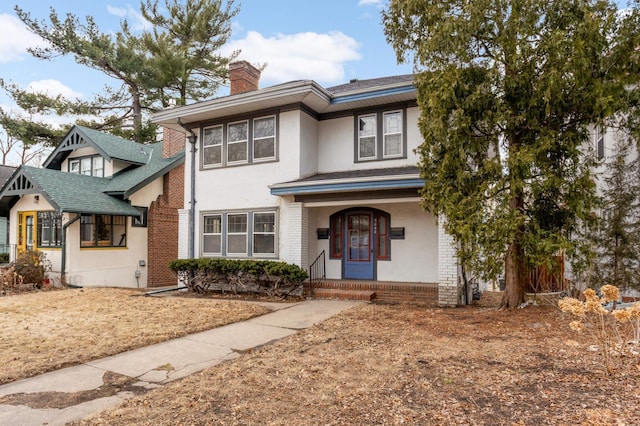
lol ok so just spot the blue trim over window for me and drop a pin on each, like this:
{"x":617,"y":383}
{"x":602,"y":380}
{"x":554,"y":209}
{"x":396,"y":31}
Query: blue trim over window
{"x":351,"y":186}
{"x":371,"y":95}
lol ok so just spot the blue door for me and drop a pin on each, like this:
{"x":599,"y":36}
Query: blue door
{"x":359,"y":260}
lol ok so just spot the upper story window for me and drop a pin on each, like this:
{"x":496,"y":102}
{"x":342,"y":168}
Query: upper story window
{"x":239,"y":142}
{"x":92,"y":165}
{"x":380,"y":136}
{"x":599,"y":137}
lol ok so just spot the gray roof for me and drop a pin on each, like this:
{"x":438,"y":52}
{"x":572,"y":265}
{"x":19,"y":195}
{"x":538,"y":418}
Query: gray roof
{"x":350,"y":174}
{"x":372,"y":83}
{"x":70,"y":192}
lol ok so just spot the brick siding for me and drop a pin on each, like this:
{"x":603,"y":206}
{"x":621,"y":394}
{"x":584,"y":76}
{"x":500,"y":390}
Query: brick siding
{"x":163,"y":217}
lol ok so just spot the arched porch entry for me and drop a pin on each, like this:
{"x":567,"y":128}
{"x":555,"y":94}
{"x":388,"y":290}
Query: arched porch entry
{"x":360,"y":238}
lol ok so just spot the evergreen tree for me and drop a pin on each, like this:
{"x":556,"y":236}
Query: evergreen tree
{"x":507,"y":91}
{"x":179,"y":59}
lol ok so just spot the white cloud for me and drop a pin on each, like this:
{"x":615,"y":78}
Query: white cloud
{"x":368,"y":2}
{"x":117,"y":11}
{"x":309,"y":55}
{"x":53,"y":88}
{"x":15,"y":39}
{"x":134,"y":17}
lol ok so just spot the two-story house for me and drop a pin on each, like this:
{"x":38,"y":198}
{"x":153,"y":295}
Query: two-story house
{"x":297,"y":171}
{"x":103,"y":209}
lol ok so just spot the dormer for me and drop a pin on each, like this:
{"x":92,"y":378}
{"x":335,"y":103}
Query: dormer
{"x":90,"y":152}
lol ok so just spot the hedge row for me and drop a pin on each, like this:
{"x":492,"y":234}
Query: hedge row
{"x":240,"y":276}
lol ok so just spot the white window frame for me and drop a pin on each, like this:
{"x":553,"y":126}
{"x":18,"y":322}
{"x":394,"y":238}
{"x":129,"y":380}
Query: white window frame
{"x":374,"y":135}
{"x":213,"y":234}
{"x":599,"y":136}
{"x":238,"y":142}
{"x":74,"y":166}
{"x":385,"y":133}
{"x":245,"y":233}
{"x":254,"y":139}
{"x":220,"y":146}
{"x":257,"y":232}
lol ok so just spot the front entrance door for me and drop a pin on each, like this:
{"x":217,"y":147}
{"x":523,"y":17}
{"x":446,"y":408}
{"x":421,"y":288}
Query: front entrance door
{"x":359,"y":262}
{"x":26,"y":231}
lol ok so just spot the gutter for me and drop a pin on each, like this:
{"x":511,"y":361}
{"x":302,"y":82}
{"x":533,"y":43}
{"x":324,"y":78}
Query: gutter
{"x":63,"y":261}
{"x":192,"y":211}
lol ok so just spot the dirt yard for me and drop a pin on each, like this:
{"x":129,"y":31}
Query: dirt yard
{"x":44,"y":331}
{"x":396,"y":365}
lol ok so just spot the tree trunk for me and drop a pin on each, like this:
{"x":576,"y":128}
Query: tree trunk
{"x":514,"y":277}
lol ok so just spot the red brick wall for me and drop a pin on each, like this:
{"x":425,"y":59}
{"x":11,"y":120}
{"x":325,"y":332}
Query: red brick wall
{"x":163,"y":227}
{"x":243,"y":77}
{"x":172,"y":142}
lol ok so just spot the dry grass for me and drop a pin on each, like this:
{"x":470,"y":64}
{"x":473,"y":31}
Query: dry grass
{"x":405,"y":365}
{"x":45,"y":331}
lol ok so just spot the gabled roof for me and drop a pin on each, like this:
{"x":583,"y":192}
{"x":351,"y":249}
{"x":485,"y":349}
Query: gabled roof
{"x":66,"y":192}
{"x":129,"y":181}
{"x":109,"y":146}
{"x":74,"y":193}
{"x":354,"y":95}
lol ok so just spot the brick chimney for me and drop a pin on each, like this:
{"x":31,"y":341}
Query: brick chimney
{"x":243,"y":76}
{"x":172,"y":142}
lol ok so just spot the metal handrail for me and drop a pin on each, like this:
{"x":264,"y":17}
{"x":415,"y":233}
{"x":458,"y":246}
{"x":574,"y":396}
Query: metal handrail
{"x":317,"y":272}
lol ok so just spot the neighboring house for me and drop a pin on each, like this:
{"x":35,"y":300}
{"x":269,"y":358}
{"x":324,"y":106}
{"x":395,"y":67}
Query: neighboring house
{"x":294,"y":170}
{"x":5,"y":248}
{"x":103,"y":209}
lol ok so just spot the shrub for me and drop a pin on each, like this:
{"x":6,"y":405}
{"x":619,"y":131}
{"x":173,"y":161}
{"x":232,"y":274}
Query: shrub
{"x":32,"y":267}
{"x":245,"y":276}
{"x":616,"y":331}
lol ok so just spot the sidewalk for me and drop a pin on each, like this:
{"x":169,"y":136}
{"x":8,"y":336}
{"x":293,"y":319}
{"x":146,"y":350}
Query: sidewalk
{"x":72,"y":393}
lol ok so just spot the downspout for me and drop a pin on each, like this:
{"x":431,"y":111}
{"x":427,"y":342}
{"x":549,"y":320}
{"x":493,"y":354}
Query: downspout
{"x":192,"y":211}
{"x":64,"y":246}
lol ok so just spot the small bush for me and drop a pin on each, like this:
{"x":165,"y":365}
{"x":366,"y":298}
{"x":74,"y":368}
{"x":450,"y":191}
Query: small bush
{"x":616,"y":331}
{"x":240,"y":276}
{"x":32,"y":267}
{"x":4,"y":258}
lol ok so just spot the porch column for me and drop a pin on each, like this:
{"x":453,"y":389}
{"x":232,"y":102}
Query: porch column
{"x":295,"y":233}
{"x":448,"y":291}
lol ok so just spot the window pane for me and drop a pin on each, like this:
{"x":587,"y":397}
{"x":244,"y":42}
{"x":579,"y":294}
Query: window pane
{"x":264,"y":243}
{"x":237,"y":244}
{"x":85,"y":166}
{"x":237,"y":223}
{"x":237,"y":152}
{"x":213,"y":224}
{"x":237,"y":132}
{"x":74,"y":166}
{"x":264,"y":127}
{"x":212,"y":244}
{"x":103,"y":229}
{"x":264,"y":222}
{"x":98,"y":166}
{"x":119,"y":231}
{"x":367,"y":125}
{"x":368,"y":147}
{"x":392,"y":134}
{"x":87,"y":231}
{"x":264,"y":148}
{"x":264,"y":225}
{"x":212,"y":136}
{"x":392,"y":145}
{"x":212,"y":155}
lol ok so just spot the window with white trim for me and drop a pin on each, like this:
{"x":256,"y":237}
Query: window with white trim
{"x":92,"y":165}
{"x":49,"y":226}
{"x":239,"y":234}
{"x":239,"y":142}
{"x":380,"y":136}
{"x":599,"y":137}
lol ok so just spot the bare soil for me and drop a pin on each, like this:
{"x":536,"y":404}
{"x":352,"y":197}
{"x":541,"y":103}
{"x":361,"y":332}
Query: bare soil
{"x":378,"y":364}
{"x":46,"y":330}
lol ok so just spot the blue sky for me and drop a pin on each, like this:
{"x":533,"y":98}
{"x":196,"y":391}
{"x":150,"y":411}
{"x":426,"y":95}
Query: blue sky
{"x":329,"y":41}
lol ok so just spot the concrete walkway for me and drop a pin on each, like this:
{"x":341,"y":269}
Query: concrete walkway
{"x":73,"y":393}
